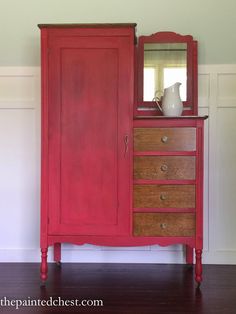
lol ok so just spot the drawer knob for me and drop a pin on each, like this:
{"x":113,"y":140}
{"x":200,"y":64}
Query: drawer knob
{"x":164,"y":168}
{"x":163,"y":225}
{"x":164,"y":139}
{"x":163,"y":197}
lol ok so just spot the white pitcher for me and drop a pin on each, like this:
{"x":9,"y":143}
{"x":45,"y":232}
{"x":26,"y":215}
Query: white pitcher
{"x":172,"y":105}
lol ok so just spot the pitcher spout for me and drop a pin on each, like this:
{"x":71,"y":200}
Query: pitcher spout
{"x":173,"y":87}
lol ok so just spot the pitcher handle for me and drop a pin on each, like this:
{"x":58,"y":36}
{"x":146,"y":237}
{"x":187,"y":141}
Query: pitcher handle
{"x":157,"y":99}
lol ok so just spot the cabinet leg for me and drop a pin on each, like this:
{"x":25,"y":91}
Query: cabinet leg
{"x":189,"y":255}
{"x":44,"y":265}
{"x":57,"y":253}
{"x":198,"y":267}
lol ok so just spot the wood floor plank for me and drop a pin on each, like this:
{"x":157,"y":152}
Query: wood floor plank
{"x":124,"y":288}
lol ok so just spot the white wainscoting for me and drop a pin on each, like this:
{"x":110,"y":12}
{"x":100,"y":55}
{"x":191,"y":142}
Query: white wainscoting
{"x":20,"y":174}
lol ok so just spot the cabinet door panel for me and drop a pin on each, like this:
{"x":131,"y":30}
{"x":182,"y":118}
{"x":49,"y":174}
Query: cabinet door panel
{"x":89,"y":113}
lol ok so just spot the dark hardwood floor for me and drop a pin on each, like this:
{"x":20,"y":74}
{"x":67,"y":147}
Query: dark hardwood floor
{"x":123,"y":288}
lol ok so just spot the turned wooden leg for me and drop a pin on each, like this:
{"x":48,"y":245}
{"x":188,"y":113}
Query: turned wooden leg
{"x":198,"y":267}
{"x":57,"y":253}
{"x":44,"y":265}
{"x":189,"y":255}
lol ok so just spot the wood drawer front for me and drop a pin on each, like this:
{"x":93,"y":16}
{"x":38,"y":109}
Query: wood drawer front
{"x":164,"y":224}
{"x":164,"y":196}
{"x":164,"y":139}
{"x":164,"y":167}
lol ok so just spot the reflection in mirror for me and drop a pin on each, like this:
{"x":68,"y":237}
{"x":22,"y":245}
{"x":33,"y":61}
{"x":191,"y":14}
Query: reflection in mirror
{"x":164,"y":65}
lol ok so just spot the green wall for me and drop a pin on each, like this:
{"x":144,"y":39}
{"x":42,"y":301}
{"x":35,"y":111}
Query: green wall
{"x":211,"y":22}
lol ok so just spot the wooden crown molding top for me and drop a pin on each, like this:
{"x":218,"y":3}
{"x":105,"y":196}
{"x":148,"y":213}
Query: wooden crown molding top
{"x":89,"y":25}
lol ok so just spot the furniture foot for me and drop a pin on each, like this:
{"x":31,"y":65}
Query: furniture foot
{"x":44,"y":265}
{"x":198,"y":267}
{"x":57,"y":253}
{"x":43,"y":284}
{"x":58,"y":264}
{"x":189,"y":255}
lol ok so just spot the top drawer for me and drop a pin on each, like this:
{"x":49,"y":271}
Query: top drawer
{"x":164,"y":139}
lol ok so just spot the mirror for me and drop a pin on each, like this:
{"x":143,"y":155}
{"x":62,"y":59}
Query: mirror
{"x":164,"y":64}
{"x":165,"y":58}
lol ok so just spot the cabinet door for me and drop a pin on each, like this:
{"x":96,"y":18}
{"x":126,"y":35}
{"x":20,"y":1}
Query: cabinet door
{"x":90,"y":98}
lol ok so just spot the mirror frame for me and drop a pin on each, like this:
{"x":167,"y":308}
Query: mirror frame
{"x":149,"y":108}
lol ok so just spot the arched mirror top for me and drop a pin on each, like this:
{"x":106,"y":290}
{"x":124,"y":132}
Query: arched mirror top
{"x":165,"y":58}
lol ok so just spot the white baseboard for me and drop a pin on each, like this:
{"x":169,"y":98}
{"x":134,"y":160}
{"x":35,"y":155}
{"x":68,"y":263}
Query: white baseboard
{"x":115,"y":256}
{"x":95,"y":256}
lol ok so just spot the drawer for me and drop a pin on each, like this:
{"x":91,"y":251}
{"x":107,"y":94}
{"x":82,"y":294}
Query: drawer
{"x":164,"y":167}
{"x":164,"y":196}
{"x":164,"y":224}
{"x":164,"y":139}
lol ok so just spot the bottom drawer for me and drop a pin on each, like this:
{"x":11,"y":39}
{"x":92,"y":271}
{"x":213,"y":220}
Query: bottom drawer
{"x":164,"y":224}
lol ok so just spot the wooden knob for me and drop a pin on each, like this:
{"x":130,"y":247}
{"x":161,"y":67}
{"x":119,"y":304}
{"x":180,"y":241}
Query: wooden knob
{"x":164,"y":139}
{"x":164,"y":168}
{"x":163,"y":225}
{"x":163,"y":197}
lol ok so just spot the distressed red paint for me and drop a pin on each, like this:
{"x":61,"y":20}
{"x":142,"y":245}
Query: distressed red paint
{"x":87,"y":142}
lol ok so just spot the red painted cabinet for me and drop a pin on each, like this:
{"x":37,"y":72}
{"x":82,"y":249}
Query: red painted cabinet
{"x":106,"y":179}
{"x":87,"y":99}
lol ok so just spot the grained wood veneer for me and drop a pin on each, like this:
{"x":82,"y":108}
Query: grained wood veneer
{"x":164,"y":139}
{"x":155,"y":195}
{"x":164,"y":167}
{"x":164,"y":224}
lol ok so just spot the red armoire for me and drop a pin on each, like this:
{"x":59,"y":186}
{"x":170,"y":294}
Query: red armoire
{"x":108,"y":179}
